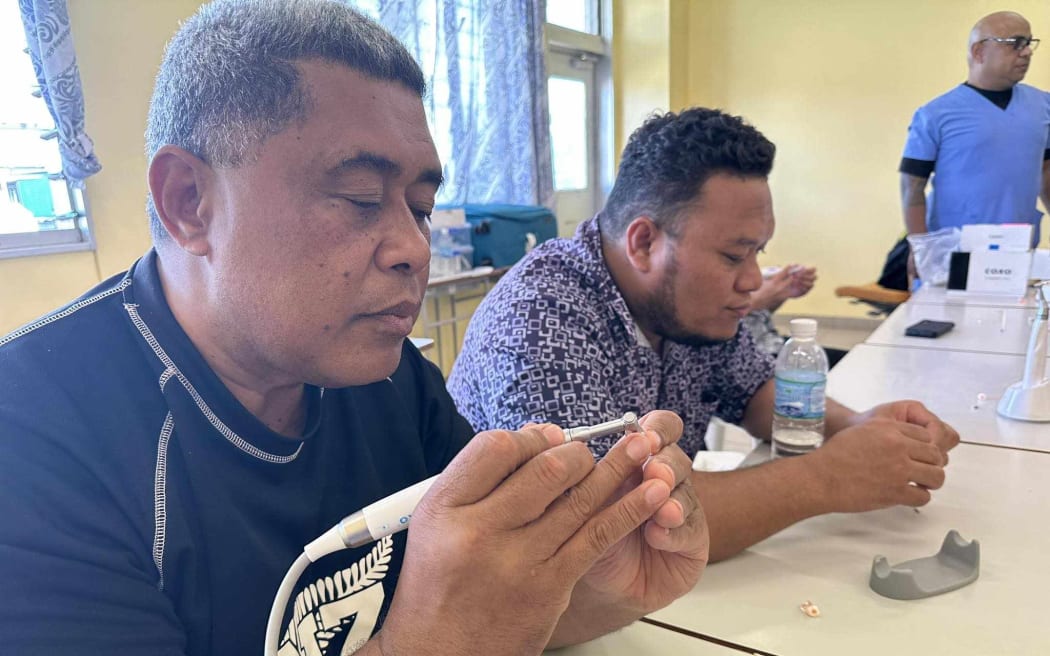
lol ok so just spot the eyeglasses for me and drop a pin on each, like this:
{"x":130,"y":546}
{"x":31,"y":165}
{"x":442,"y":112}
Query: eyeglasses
{"x":1016,"y":42}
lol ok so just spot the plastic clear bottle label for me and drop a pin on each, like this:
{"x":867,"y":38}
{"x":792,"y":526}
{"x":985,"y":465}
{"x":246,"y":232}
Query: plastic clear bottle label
{"x":800,"y":397}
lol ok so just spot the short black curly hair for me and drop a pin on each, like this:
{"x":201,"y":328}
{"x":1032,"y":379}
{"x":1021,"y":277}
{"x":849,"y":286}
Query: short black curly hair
{"x":669,"y":158}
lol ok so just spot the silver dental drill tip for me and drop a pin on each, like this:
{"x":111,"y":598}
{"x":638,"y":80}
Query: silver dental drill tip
{"x":626,"y":424}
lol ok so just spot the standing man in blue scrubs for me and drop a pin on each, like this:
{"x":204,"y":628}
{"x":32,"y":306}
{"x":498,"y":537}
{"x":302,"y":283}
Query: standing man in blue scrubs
{"x":986,"y":142}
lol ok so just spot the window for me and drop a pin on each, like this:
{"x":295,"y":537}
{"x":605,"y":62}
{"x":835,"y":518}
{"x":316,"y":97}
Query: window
{"x":579,"y":91}
{"x":479,"y":59}
{"x":570,"y":117}
{"x":439,"y":113}
{"x":39,"y":211}
{"x":579,"y":15}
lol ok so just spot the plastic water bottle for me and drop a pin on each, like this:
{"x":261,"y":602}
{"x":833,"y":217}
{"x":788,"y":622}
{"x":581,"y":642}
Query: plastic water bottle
{"x":801,"y":377}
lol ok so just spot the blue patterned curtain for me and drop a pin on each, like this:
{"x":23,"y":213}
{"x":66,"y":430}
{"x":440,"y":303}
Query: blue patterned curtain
{"x":55,"y":64}
{"x":487,"y":100}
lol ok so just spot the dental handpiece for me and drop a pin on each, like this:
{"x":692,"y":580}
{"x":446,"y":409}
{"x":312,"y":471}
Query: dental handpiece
{"x":386,"y":517}
{"x":393,"y":513}
{"x":626,"y":424}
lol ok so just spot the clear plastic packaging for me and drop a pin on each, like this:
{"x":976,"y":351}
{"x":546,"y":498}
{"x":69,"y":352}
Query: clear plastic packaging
{"x":451,"y":251}
{"x":800,"y":378}
{"x":933,"y":254}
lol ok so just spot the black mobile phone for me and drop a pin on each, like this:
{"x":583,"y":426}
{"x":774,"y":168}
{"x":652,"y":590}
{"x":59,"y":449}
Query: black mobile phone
{"x":958,"y":270}
{"x":929,"y":328}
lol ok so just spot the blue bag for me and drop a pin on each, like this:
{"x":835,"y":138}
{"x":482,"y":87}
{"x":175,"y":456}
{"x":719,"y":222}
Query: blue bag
{"x":501,"y":233}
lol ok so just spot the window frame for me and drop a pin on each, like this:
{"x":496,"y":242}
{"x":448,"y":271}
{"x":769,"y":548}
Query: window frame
{"x":49,"y":242}
{"x":599,"y":47}
{"x":42,"y":241}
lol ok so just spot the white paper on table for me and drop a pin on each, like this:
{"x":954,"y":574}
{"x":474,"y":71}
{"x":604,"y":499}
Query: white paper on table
{"x":998,"y":272}
{"x":717,"y":460}
{"x":718,"y":437}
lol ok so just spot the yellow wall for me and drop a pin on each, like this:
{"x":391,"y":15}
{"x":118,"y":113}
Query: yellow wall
{"x":641,"y":65}
{"x":119,"y":46}
{"x":834,"y":85}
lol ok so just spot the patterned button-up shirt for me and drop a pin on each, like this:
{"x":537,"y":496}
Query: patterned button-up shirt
{"x":760,"y":324}
{"x":554,"y":341}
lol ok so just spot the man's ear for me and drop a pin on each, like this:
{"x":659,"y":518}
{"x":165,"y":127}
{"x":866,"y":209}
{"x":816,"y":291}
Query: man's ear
{"x":180,"y":183}
{"x":641,"y":240}
{"x":977,"y":51}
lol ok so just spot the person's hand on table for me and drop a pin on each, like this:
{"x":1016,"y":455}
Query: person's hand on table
{"x":876,"y":463}
{"x":914,"y":412}
{"x":802,"y":280}
{"x":773,"y":291}
{"x":790,"y":281}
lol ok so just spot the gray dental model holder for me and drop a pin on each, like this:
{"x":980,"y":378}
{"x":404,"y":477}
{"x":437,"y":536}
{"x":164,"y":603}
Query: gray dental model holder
{"x":955,"y":565}
{"x":1029,"y":399}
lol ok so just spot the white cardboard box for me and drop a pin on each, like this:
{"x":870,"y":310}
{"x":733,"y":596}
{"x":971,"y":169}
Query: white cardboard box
{"x":998,"y":272}
{"x":1000,"y":237}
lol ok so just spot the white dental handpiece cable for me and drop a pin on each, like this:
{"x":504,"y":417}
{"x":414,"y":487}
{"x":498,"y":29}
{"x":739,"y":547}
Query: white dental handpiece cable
{"x":388,"y":516}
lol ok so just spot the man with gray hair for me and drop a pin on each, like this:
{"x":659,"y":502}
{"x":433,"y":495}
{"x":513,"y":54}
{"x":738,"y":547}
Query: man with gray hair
{"x":986,"y":142}
{"x":170,"y":441}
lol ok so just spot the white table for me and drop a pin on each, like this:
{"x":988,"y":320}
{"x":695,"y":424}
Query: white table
{"x":641,"y":638}
{"x":948,"y":382}
{"x":977,"y":328}
{"x":998,"y":496}
{"x":928,"y":295}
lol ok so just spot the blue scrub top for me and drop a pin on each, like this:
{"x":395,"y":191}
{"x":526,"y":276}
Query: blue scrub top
{"x":989,"y":161}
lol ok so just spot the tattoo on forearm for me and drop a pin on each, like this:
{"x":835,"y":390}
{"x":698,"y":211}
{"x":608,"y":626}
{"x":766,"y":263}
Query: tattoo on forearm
{"x":912,"y":190}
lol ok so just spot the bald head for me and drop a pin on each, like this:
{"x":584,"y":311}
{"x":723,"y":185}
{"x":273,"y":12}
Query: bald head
{"x":1001,"y":23}
{"x":995,"y":65}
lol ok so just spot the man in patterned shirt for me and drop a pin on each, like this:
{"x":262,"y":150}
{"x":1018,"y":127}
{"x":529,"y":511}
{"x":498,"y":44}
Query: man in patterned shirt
{"x":641,"y":309}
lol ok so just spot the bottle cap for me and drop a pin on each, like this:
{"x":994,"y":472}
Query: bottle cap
{"x":803,"y":328}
